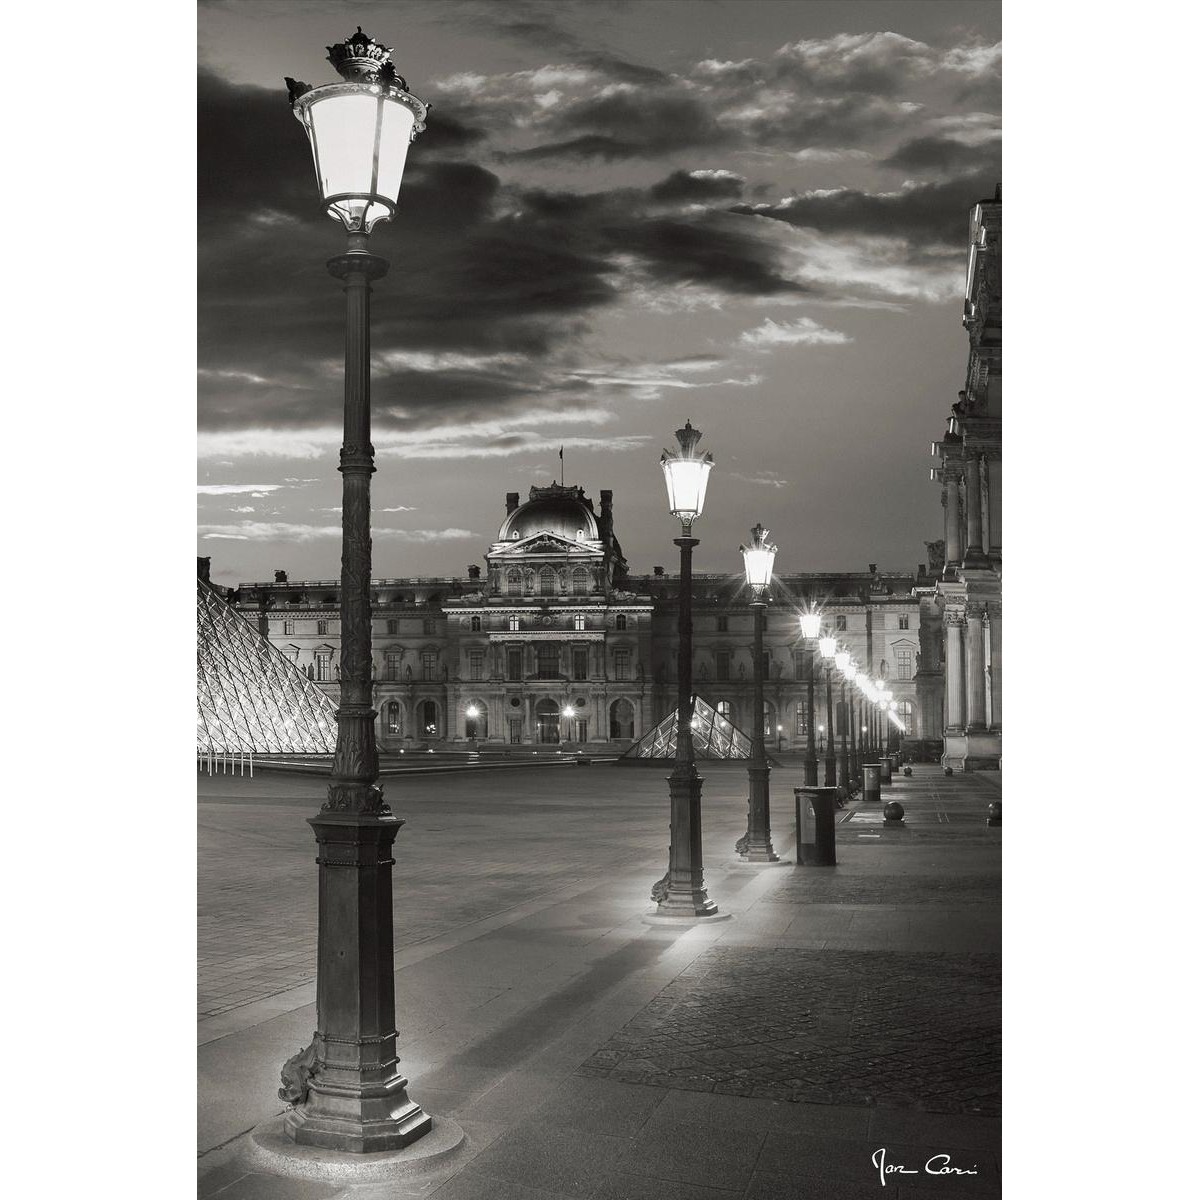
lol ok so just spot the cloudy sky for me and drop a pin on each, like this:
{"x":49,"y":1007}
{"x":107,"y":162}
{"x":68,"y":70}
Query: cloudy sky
{"x":623,"y":214}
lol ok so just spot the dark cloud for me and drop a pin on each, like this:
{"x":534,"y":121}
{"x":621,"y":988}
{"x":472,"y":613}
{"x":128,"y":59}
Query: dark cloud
{"x":942,"y":154}
{"x":697,"y":186}
{"x":927,"y":215}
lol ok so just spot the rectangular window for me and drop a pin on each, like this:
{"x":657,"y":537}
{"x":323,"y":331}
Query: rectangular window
{"x":322,"y":628}
{"x":391,"y":666}
{"x":722,"y":624}
{"x":428,"y":665}
{"x":289,"y":626}
{"x":580,"y":621}
{"x":475,"y":665}
{"x":903,"y":623}
{"x":514,"y":662}
{"x":579,"y":663}
{"x":430,"y":626}
{"x":621,"y":661}
{"x":393,"y":626}
{"x":323,"y":662}
{"x":514,"y":622}
{"x":547,"y":660}
{"x":802,"y":718}
{"x":841,"y":624}
{"x":722,"y":665}
{"x":904,"y":662}
{"x":476,"y":624}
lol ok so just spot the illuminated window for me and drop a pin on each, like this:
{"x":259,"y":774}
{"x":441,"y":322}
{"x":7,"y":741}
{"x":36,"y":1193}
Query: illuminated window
{"x":580,"y":621}
{"x":802,"y":718}
{"x":391,"y":717}
{"x":514,"y":622}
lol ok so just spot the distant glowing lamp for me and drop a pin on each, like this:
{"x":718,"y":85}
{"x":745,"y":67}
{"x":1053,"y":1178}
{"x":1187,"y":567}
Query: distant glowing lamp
{"x":759,"y":558}
{"x":472,"y":711}
{"x":828,"y":647}
{"x":810,"y":624}
{"x":568,"y":712}
{"x":842,"y":659}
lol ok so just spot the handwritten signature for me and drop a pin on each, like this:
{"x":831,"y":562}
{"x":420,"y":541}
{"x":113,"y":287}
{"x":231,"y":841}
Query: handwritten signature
{"x":938,"y":1164}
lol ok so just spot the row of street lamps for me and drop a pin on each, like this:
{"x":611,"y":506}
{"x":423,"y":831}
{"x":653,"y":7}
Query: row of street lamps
{"x":345,"y":1090}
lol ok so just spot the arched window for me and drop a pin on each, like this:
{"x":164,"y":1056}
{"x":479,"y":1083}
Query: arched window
{"x":476,"y":624}
{"x":427,"y":717}
{"x":514,"y":622}
{"x":622,"y":621}
{"x":512,"y":581}
{"x":620,"y":719}
{"x":391,"y":717}
{"x":768,"y":719}
{"x":546,"y":580}
{"x":580,"y":581}
{"x":904,"y":710}
{"x":546,"y":721}
{"x":725,"y":709}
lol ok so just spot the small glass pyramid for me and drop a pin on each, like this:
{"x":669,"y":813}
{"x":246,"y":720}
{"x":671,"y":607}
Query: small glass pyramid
{"x":250,"y":697}
{"x":713,"y":736}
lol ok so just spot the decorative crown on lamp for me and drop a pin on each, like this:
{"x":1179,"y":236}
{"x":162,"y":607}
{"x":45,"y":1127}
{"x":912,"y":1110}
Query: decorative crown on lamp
{"x":686,"y":473}
{"x":810,"y":624}
{"x":759,"y":558}
{"x":359,"y":131}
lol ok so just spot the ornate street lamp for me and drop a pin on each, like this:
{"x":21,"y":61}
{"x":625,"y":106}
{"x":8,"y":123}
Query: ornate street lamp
{"x":346,"y":1089}
{"x":568,"y":714}
{"x":755,"y":844}
{"x":681,"y":892}
{"x":810,"y":629}
{"x":828,"y":647}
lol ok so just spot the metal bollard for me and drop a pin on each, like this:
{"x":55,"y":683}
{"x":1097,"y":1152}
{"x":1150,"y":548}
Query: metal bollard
{"x":870,"y":793}
{"x":816,"y":837}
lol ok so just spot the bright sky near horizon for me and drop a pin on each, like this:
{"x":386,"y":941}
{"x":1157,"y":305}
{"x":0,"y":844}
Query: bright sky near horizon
{"x":752,"y":215}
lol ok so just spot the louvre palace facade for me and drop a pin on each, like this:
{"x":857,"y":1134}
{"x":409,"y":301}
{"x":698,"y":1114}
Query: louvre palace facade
{"x":556,"y":644}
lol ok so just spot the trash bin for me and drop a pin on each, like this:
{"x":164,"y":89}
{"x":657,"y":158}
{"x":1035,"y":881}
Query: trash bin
{"x":816,"y":841}
{"x":870,"y":793}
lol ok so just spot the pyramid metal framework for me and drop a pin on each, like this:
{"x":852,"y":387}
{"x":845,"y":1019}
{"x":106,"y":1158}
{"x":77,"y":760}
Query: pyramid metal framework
{"x":713,"y":736}
{"x":250,"y":697}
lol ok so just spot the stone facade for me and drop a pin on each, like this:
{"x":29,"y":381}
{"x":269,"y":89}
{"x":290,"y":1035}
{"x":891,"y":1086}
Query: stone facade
{"x":969,"y":470}
{"x":556,"y":620}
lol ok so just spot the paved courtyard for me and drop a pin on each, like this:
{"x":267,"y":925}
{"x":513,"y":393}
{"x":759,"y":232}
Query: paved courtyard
{"x":586,"y":1054}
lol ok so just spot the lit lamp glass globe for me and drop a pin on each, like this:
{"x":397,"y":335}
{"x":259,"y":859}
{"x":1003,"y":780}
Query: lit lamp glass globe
{"x":810,"y":624}
{"x":851,"y":672}
{"x":568,"y":711}
{"x":828,"y":647}
{"x":359,"y":130}
{"x":472,"y":711}
{"x":686,"y":472}
{"x":842,"y":660}
{"x":759,"y":559}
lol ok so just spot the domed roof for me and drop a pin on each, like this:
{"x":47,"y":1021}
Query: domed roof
{"x":553,"y":509}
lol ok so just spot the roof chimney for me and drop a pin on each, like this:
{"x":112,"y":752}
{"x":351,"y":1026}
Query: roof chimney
{"x":871,"y":568}
{"x":281,"y":577}
{"x":512,"y":501}
{"x":606,"y":524}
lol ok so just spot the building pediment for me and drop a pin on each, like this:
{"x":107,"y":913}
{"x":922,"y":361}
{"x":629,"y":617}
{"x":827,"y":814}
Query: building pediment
{"x":543,"y":543}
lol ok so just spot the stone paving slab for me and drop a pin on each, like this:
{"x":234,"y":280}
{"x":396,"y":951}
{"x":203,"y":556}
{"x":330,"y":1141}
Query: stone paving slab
{"x":826,"y":1026}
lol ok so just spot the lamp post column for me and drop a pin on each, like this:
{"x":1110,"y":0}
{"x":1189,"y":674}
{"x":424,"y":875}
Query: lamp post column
{"x":681,"y":891}
{"x":855,"y":741}
{"x":346,"y":1088}
{"x":830,"y":753}
{"x":755,"y":845}
{"x":843,"y":758}
{"x":810,"y":757}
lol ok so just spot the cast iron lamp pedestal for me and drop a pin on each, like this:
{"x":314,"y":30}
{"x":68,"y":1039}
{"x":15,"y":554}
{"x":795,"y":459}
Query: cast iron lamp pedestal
{"x":681,"y":893}
{"x":346,"y":1090}
{"x":755,"y":845}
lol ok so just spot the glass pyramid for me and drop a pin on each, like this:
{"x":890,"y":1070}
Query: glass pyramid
{"x":713,"y":736}
{"x":250,"y":697}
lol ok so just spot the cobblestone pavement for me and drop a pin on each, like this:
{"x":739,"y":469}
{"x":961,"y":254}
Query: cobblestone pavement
{"x":887,"y":889}
{"x":845,"y":1027}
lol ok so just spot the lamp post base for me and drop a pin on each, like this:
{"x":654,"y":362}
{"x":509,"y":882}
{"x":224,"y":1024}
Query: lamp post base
{"x":755,"y":844}
{"x":810,"y":772}
{"x":681,"y":891}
